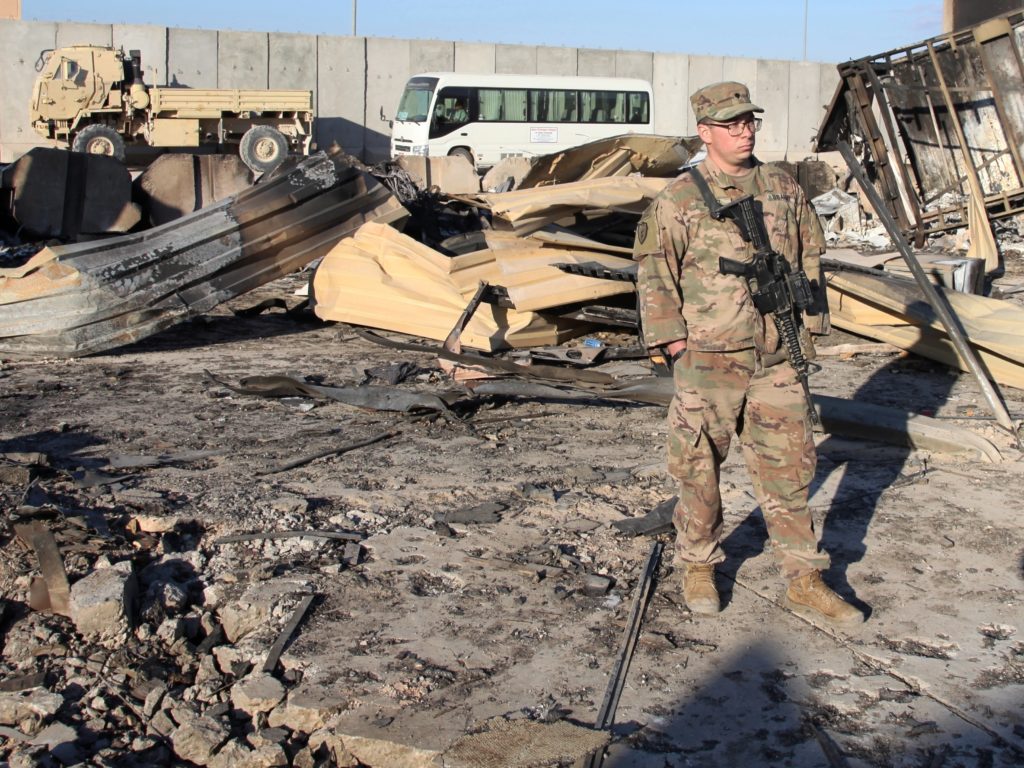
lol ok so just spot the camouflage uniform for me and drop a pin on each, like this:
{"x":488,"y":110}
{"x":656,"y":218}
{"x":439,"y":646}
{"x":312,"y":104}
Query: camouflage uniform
{"x":733,"y":376}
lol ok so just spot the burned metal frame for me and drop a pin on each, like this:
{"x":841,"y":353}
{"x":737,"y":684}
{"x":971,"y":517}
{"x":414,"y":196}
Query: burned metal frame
{"x":941,"y":122}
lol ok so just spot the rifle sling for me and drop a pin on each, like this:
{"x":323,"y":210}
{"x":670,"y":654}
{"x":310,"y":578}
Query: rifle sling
{"x":714,"y":207}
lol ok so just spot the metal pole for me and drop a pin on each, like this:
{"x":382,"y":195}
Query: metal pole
{"x":806,"y":2}
{"x":935,"y":299}
{"x":354,"y":5}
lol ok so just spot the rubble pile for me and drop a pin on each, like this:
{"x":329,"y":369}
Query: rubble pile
{"x":162,"y":654}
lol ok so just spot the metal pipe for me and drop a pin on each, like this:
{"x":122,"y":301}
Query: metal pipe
{"x":354,"y":4}
{"x":805,"y":28}
{"x":935,"y":299}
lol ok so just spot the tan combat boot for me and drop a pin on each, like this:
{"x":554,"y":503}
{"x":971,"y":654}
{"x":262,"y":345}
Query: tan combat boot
{"x":699,"y":589}
{"x":810,"y":596}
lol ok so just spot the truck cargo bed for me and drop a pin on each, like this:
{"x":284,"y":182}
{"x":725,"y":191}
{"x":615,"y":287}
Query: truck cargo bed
{"x":213,"y":102}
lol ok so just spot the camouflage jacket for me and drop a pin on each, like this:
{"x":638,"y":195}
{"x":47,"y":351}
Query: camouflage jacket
{"x":681,"y":291}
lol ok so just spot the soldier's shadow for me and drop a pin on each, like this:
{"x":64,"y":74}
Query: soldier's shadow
{"x":866,"y":470}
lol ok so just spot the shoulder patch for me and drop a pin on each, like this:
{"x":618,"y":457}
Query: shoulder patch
{"x":648,"y":234}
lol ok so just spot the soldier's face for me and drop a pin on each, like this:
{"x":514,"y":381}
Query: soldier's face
{"x":728,"y":151}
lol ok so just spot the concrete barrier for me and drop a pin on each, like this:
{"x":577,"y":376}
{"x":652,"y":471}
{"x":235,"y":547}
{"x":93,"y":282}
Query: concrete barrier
{"x":353,"y":78}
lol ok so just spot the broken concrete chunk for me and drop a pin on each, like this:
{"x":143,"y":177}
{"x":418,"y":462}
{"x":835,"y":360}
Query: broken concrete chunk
{"x":258,"y":604}
{"x":352,"y":554}
{"x":28,"y":709}
{"x":595,"y":585}
{"x":390,"y":754}
{"x":153,"y":699}
{"x":268,"y":756}
{"x":55,"y":736}
{"x":161,"y":724}
{"x":327,"y":745}
{"x":307,"y":710}
{"x":233,"y":755}
{"x":198,"y":740}
{"x":260,"y":693}
{"x":101,"y":604}
{"x":523,"y":743}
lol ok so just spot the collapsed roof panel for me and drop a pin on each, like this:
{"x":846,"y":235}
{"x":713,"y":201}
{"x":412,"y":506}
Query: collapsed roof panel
{"x":940,"y":122}
{"x":384,"y":279}
{"x":80,"y":299}
{"x":528,"y":210}
{"x":648,"y":155}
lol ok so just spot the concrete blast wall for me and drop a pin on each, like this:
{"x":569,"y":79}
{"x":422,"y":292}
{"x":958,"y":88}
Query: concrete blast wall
{"x":354,"y":79}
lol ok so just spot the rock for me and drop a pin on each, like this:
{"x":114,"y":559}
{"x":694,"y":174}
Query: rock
{"x":390,"y":754}
{"x":290,"y":505}
{"x":267,"y":736}
{"x":101,"y":604}
{"x":257,"y":605}
{"x":207,"y":671}
{"x":326,"y":745}
{"x":268,"y":756}
{"x":260,"y":693}
{"x":28,"y":709}
{"x":233,"y":755}
{"x":307,"y":710}
{"x":595,"y":585}
{"x":54,"y":735}
{"x":161,"y":724}
{"x":171,"y":597}
{"x":153,"y":699}
{"x":198,"y":740}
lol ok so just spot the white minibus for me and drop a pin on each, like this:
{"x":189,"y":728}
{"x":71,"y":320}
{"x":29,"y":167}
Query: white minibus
{"x":486,"y":118}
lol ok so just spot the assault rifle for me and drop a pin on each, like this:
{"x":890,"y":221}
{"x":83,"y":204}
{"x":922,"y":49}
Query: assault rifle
{"x":774,"y":287}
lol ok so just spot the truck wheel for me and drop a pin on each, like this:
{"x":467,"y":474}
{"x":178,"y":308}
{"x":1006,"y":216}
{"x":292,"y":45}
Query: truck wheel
{"x":263,"y":148}
{"x":462,"y":152}
{"x":99,"y":139}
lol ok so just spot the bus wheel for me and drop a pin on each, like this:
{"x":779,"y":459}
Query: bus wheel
{"x":262,"y":148}
{"x":462,"y":152}
{"x":98,"y":139}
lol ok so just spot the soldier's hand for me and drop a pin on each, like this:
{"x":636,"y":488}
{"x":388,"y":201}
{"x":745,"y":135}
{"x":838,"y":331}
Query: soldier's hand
{"x":675,"y":349}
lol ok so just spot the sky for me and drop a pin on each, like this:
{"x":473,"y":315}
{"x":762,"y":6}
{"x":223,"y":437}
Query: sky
{"x":837,"y":30}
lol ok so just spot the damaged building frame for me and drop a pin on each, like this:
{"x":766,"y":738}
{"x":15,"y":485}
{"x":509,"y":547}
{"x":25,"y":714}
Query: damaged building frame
{"x":941,"y":123}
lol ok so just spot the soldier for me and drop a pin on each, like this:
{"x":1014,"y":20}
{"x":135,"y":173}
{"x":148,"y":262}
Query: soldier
{"x":730,"y":371}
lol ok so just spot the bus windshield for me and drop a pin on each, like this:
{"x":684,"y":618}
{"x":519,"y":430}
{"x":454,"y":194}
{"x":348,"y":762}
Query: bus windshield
{"x":415,"y":103}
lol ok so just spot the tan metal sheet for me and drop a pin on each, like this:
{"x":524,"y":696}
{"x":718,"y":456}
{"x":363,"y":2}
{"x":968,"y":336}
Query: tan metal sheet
{"x":648,"y":155}
{"x":895,"y":312}
{"x":631,"y":194}
{"x":383,"y":279}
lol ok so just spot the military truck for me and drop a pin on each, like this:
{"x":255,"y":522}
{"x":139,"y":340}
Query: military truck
{"x":92,"y":99}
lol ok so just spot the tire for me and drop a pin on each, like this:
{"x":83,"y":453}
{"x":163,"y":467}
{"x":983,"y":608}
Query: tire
{"x":263,"y":148}
{"x":463,"y":152}
{"x":98,"y":139}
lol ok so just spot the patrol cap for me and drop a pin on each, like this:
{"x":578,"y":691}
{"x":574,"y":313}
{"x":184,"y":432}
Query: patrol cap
{"x":722,"y":102}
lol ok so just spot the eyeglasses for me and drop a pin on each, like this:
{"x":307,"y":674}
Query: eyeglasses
{"x":737,"y":127}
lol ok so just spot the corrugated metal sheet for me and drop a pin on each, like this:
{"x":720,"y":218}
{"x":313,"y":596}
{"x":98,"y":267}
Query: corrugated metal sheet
{"x":85,"y":298}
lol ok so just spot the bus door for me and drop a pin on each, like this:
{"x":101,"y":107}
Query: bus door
{"x":452,"y":113}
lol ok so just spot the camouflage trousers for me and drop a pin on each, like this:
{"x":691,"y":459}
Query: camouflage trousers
{"x":718,"y":394}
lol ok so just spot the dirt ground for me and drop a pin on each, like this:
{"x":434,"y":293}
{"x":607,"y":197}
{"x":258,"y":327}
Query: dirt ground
{"x":458,"y":613}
